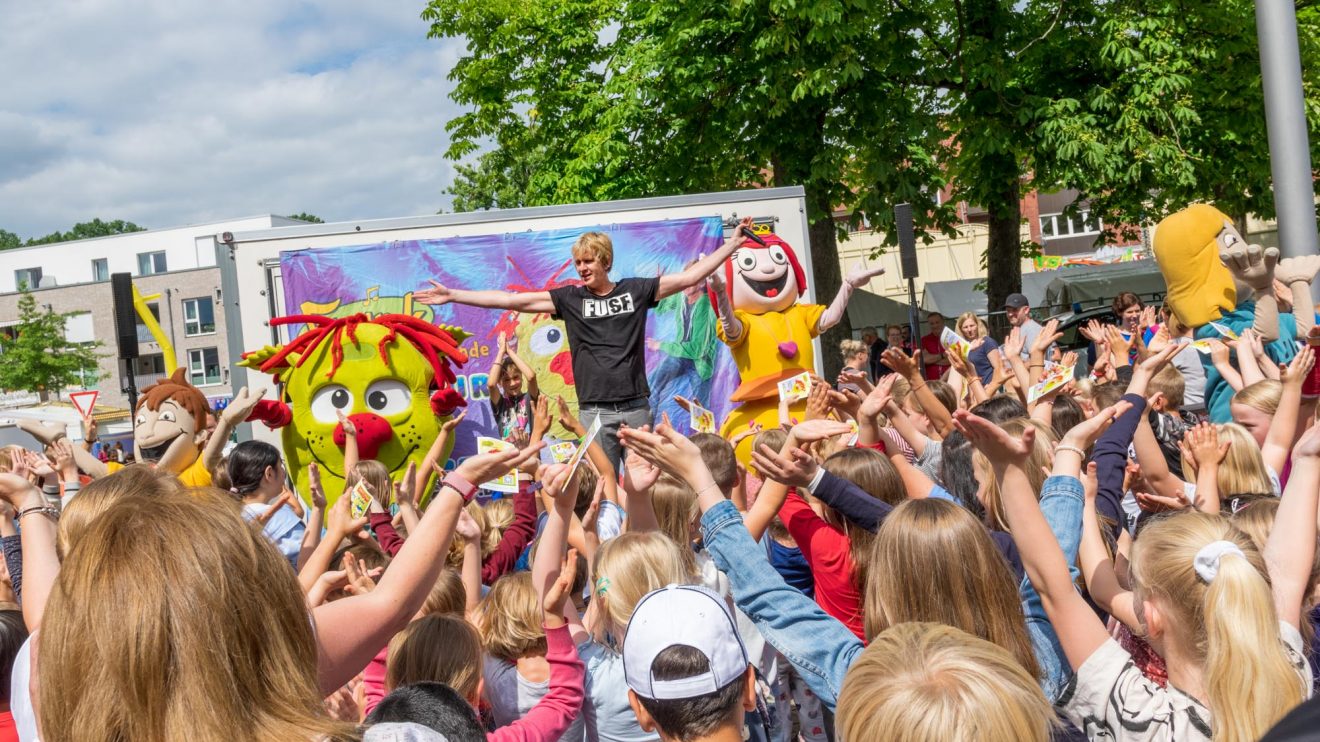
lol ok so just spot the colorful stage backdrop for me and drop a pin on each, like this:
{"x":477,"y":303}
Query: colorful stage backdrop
{"x":684,"y":358}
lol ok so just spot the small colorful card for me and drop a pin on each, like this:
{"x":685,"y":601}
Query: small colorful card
{"x":795,"y":389}
{"x":592,"y":431}
{"x":1203,"y":346}
{"x":953,"y":341}
{"x":703,"y":420}
{"x":563,"y":451}
{"x":1055,"y":377}
{"x":1224,"y":330}
{"x":856,"y":431}
{"x":508,"y":483}
{"x":359,"y":503}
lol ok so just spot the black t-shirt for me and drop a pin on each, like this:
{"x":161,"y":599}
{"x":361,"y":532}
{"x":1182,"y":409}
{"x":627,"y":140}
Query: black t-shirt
{"x":606,"y":335}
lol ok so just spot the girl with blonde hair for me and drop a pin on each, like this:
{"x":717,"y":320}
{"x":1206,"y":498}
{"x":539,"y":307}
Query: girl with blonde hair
{"x":1228,"y":633}
{"x":152,"y":598}
{"x":966,"y":583}
{"x":992,"y":499}
{"x":922,"y":681}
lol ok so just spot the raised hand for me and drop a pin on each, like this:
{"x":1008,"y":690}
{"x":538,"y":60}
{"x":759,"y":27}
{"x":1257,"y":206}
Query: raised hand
{"x":901,"y":362}
{"x":62,"y":450}
{"x":1299,"y":369}
{"x":1250,"y":264}
{"x":488,"y":466}
{"x":1084,"y":434}
{"x":878,"y":399}
{"x":793,"y":467}
{"x":1012,"y":346}
{"x":667,"y":449}
{"x":862,"y":275}
{"x":818,"y":400}
{"x":1201,"y":446}
{"x":339,"y":521}
{"x":1292,"y":270}
{"x":467,"y":528}
{"x":314,"y":485}
{"x":436,"y":295}
{"x":244,"y":402}
{"x":811,"y":431}
{"x":993,"y":441}
{"x":557,"y":594}
{"x":1047,"y":337}
{"x":639,"y":474}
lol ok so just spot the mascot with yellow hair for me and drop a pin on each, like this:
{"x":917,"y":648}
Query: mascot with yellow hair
{"x":1213,"y":275}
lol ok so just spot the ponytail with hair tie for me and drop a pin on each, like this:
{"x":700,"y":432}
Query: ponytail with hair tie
{"x":1207,"y":559}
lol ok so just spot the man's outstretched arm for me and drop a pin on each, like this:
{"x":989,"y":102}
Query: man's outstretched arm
{"x":527,"y":301}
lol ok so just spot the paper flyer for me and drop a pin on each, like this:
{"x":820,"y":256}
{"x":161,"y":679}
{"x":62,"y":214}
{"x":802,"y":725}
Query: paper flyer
{"x":576,"y":459}
{"x":563,"y":451}
{"x":359,"y":500}
{"x":796,"y":388}
{"x":953,"y":341}
{"x":1203,"y":346}
{"x":508,"y":484}
{"x":1224,"y":330}
{"x":703,"y":420}
{"x":852,"y":439}
{"x":1055,"y":377}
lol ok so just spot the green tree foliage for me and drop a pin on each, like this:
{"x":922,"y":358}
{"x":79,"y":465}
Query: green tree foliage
{"x":305,"y":217}
{"x":87,"y":230}
{"x":39,"y":358}
{"x":1142,"y":105}
{"x":9,"y":240}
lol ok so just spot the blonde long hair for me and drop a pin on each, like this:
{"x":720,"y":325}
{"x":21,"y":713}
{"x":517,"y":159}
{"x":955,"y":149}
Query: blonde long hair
{"x":626,"y":568}
{"x":924,"y":681}
{"x":1229,"y":626}
{"x":982,"y":329}
{"x":933,"y":561}
{"x":221,"y":646}
{"x":438,"y":648}
{"x":1242,"y":471}
{"x":675,"y":506}
{"x":1037,"y":464}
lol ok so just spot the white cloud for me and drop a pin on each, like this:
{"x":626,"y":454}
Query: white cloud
{"x":168,"y":112}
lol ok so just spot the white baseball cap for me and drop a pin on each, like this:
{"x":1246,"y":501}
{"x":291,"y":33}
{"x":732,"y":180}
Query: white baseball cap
{"x":682,"y":615}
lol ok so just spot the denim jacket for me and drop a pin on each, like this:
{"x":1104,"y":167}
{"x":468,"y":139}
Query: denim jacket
{"x":818,"y":646}
{"x":1061,"y":502}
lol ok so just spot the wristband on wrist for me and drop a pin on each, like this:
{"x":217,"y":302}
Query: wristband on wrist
{"x":1074,"y":449}
{"x":54,"y":513}
{"x":463,"y":487}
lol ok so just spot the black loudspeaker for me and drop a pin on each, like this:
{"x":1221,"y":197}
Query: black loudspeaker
{"x":121,"y":290}
{"x":907,"y":239}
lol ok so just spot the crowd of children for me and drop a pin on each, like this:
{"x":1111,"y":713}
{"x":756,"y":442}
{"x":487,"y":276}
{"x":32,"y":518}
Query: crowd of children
{"x":922,"y":556}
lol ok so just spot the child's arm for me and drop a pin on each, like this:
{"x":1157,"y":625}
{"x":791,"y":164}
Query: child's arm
{"x":351,"y":631}
{"x":774,"y":491}
{"x":315,"y":516}
{"x":1283,"y":427}
{"x":1080,"y":632}
{"x":529,"y":375}
{"x":339,"y":526}
{"x":470,"y":574}
{"x":432,"y":460}
{"x":350,"y":442}
{"x":930,"y":404}
{"x":1290,"y":551}
{"x":497,"y":369}
{"x":516,"y":537}
{"x":548,"y":566}
{"x":595,"y":452}
{"x":1098,"y":569}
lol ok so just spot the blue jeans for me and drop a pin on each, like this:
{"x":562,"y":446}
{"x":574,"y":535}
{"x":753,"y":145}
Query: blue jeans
{"x":1061,"y":501}
{"x":610,"y":419}
{"x":818,"y":646}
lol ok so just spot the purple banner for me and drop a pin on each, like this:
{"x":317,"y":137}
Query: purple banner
{"x":683,"y":355}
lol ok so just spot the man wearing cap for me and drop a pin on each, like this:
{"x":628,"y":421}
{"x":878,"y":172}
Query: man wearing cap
{"x":1018,"y":311}
{"x":687,"y":670}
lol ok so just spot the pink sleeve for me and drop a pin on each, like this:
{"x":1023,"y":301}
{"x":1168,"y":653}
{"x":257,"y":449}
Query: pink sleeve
{"x":373,"y":680}
{"x":551,"y":716}
{"x":515,"y":538}
{"x":389,"y":540}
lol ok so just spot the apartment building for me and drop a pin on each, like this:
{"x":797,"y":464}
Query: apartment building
{"x":178,"y":264}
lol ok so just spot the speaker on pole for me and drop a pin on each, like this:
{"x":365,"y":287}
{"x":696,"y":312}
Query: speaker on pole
{"x":121,"y":291}
{"x":907,"y":239}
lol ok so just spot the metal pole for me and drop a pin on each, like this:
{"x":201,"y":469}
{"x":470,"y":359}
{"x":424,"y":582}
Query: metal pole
{"x":1285,"y":118}
{"x":914,"y":323}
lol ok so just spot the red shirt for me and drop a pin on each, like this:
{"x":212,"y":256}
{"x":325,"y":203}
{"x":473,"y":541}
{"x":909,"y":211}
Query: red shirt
{"x":8,"y":732}
{"x":931,"y":344}
{"x":828,"y":552}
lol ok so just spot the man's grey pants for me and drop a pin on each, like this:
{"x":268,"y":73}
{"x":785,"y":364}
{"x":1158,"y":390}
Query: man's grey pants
{"x":634,"y":414}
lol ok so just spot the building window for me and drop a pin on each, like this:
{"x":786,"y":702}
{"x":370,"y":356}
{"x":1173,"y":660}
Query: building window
{"x":1078,"y":225}
{"x":198,"y":316}
{"x":151,"y":263}
{"x":27,"y":278}
{"x":144,"y":335}
{"x":101,"y":269}
{"x":150,"y":365}
{"x":204,"y":366}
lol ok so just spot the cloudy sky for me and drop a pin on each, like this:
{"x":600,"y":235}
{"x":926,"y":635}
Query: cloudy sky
{"x":180,"y":111}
